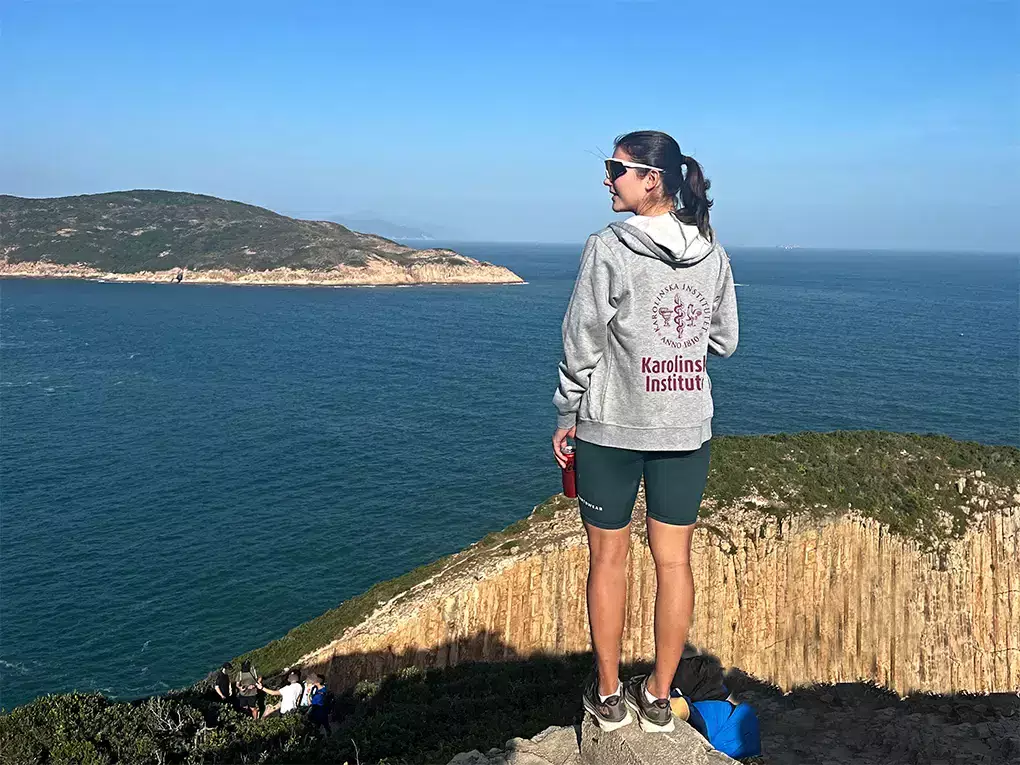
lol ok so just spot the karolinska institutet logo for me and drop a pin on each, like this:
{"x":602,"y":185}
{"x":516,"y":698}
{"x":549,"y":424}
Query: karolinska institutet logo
{"x":680,"y":316}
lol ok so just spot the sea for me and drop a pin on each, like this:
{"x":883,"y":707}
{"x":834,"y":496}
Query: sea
{"x":190,"y":471}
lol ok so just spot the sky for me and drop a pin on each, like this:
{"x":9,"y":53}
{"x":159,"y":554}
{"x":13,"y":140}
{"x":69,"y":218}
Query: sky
{"x":892,"y":124}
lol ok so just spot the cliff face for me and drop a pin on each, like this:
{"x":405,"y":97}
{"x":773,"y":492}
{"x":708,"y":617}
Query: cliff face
{"x":793,"y":602}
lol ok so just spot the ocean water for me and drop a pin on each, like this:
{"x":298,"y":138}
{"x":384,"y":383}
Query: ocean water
{"x":188,"y":472}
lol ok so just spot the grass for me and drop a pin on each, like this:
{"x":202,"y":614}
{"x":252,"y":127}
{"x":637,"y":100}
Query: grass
{"x":891,"y":477}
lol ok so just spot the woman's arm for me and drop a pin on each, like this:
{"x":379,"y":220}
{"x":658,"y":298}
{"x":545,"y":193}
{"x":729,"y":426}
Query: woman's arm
{"x":585,"y":329}
{"x":724,"y":332}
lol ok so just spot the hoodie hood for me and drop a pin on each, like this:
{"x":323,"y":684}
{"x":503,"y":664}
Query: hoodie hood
{"x":665,"y":238}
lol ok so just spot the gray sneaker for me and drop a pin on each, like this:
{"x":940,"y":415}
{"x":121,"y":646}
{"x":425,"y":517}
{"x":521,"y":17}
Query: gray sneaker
{"x":653,"y":716}
{"x":609,"y":714}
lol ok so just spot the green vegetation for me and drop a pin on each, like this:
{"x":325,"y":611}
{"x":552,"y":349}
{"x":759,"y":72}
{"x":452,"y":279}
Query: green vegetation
{"x":890,"y":477}
{"x":419,"y":716}
{"x":412,"y":717}
{"x":131,"y":231}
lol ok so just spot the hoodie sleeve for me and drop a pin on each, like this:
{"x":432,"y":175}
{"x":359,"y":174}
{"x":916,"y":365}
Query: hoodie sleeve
{"x":725,"y":329}
{"x":585,"y":328}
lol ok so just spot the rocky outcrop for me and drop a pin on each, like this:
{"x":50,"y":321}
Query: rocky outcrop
{"x":553,"y":746}
{"x":793,"y":601}
{"x":376,"y":272}
{"x":586,"y":744}
{"x":629,"y":746}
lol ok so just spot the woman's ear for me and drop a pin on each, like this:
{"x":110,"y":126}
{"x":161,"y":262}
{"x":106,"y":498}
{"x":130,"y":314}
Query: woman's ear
{"x":652,"y":178}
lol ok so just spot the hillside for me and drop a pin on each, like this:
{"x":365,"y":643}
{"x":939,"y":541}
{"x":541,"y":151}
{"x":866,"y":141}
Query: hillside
{"x":823,"y":557}
{"x":152,"y":235}
{"x":859,"y":586}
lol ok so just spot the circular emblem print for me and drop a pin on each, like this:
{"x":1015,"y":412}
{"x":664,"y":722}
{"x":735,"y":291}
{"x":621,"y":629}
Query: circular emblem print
{"x":680,"y":315}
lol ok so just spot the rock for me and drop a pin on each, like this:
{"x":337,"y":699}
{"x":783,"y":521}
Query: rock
{"x":553,"y":746}
{"x":474,"y":757}
{"x":961,"y":485}
{"x":632,"y":746}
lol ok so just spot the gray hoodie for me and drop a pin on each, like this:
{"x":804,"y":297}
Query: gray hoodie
{"x":653,"y":297}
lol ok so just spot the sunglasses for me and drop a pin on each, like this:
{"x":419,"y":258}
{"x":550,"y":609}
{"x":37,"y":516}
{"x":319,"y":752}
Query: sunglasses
{"x":617,"y":167}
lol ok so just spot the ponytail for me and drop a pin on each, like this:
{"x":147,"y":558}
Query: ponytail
{"x":694,"y":201}
{"x":688,"y":190}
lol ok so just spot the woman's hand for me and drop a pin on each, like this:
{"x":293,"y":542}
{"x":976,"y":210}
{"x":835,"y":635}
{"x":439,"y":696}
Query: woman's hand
{"x":559,"y":440}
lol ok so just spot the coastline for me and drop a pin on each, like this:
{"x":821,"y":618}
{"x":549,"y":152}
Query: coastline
{"x":375,"y":273}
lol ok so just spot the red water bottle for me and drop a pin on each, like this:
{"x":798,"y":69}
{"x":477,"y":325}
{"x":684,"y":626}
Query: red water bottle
{"x":569,"y":474}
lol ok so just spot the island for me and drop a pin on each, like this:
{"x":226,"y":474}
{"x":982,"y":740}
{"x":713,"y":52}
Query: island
{"x":182,"y":238}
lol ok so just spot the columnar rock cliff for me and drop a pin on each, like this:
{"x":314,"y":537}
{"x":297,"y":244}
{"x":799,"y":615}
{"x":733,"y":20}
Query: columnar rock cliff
{"x":793,"y":603}
{"x":790,"y":597}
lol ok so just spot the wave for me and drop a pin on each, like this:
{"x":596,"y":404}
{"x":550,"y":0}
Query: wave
{"x":17,"y":666}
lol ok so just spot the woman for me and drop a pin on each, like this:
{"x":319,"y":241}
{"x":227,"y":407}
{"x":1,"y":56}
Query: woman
{"x":654,"y":295}
{"x":247,"y":685}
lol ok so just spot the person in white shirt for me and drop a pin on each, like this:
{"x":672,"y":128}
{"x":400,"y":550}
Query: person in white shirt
{"x":309,"y":685}
{"x":289,"y":694}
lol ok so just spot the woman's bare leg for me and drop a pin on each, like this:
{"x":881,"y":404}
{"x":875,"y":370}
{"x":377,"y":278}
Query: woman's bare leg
{"x":607,"y":599}
{"x":674,"y":599}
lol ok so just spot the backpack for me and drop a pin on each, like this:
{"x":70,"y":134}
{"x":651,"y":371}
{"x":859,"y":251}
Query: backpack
{"x":732,"y":729}
{"x":321,"y":697}
{"x":247,"y":678}
{"x":700,"y":678}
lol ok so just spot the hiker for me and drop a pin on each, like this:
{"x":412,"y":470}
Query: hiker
{"x":321,"y":702}
{"x":289,"y":695}
{"x":247,"y":684}
{"x":223,"y":686}
{"x":654,"y":295}
{"x":306,"y":696}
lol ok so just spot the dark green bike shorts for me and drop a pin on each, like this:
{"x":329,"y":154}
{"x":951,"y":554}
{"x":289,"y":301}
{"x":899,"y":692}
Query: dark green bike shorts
{"x":608,"y":479}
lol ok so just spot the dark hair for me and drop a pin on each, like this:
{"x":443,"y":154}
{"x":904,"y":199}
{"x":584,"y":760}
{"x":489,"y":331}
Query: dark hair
{"x":227,"y":666}
{"x":689,"y":191}
{"x":246,"y":666}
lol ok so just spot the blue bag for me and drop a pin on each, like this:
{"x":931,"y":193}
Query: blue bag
{"x":732,"y":729}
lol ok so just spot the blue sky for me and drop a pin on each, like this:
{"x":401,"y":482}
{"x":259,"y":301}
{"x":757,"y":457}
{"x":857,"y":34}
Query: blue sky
{"x":887,"y":124}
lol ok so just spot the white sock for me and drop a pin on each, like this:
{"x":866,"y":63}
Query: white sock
{"x":648,"y":696}
{"x":619,"y":690}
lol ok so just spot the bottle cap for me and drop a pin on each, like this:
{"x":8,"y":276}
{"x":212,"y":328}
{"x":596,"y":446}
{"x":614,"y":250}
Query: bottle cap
{"x":568,"y":448}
